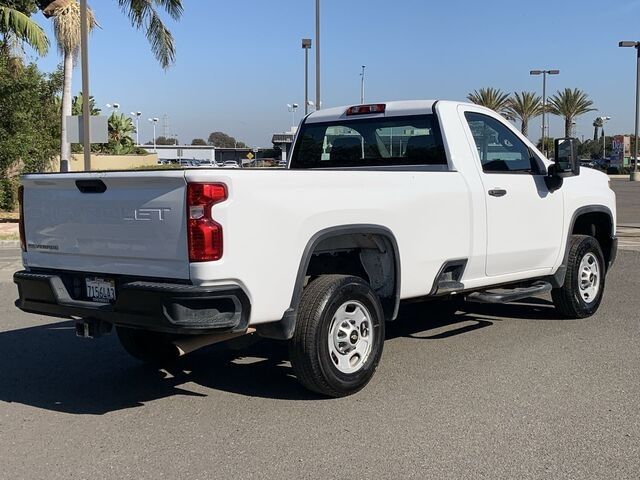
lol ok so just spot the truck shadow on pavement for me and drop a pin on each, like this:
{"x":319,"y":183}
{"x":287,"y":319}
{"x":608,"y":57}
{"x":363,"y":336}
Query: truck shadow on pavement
{"x":48,"y":367}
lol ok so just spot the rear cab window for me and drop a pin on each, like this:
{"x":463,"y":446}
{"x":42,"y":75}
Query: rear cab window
{"x":370,"y":142}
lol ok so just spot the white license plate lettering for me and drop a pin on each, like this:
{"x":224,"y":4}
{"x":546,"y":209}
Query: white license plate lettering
{"x":101,"y":290}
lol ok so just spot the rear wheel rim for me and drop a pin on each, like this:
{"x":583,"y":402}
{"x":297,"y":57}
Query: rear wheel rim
{"x":351,"y":337}
{"x":589,"y":278}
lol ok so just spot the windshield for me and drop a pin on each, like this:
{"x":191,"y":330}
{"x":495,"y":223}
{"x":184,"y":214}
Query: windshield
{"x":371,"y":142}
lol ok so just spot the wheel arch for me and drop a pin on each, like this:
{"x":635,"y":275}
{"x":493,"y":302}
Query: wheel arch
{"x":596,"y":221}
{"x":387,"y":248}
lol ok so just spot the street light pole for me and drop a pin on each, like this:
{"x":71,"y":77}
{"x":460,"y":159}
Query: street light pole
{"x":318,"y":104}
{"x":635,"y":175}
{"x":86,"y":110}
{"x":362,"y":85}
{"x":544,"y":74}
{"x":292,"y":108}
{"x":136,"y":115}
{"x":154,"y":121}
{"x":604,"y":120}
{"x":306,"y":45}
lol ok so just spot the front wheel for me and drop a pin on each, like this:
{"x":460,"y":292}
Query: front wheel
{"x":581,"y":294}
{"x":339,"y":335}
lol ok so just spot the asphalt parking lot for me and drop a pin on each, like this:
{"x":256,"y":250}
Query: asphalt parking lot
{"x":507,"y":391}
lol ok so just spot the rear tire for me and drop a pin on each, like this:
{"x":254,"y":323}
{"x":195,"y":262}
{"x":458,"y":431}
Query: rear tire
{"x":339,"y":335}
{"x":147,"y":346}
{"x":581,"y":294}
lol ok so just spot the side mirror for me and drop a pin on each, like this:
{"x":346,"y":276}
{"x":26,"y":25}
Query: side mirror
{"x":566,"y":158}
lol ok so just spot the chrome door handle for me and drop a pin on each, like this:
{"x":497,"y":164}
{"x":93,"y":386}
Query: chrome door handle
{"x":497,"y":192}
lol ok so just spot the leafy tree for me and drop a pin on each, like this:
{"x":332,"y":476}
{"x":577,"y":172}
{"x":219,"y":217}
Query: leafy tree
{"x":16,"y":26}
{"x":28,"y":127}
{"x":198,"y":141}
{"x":222,"y":140}
{"x":591,"y":149}
{"x":162,"y":140}
{"x":121,"y":130}
{"x":549,"y":144}
{"x":525,"y":106}
{"x":76,"y":105}
{"x":492,"y":98}
{"x":570,"y":104}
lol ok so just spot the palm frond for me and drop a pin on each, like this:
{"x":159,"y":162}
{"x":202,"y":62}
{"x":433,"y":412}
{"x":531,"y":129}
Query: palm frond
{"x":161,"y":41}
{"x":525,"y":105}
{"x":570,"y":103}
{"x":143,"y":14}
{"x":24,"y":29}
{"x":490,"y":97}
{"x":66,"y":24}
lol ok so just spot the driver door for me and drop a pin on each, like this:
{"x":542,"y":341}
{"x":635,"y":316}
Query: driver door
{"x":524,"y":220}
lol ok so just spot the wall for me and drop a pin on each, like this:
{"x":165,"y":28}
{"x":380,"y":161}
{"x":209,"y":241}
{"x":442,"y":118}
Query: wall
{"x":108,"y":162}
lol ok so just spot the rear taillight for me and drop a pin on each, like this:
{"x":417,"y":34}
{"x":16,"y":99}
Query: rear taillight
{"x":205,"y":235}
{"x":23,"y":239}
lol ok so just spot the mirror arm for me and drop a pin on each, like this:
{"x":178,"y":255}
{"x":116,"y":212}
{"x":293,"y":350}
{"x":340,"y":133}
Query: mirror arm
{"x":553,"y":180}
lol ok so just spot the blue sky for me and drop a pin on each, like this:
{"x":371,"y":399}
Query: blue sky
{"x":239,"y":62}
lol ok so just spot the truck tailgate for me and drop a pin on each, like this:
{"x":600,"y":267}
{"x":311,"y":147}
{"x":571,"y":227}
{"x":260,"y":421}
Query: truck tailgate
{"x":130,"y":223}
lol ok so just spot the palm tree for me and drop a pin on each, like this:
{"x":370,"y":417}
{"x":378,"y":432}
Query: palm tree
{"x":492,"y":98}
{"x":525,"y":106}
{"x":16,"y":25}
{"x":66,"y":21}
{"x":143,"y":14}
{"x":570,"y":104}
{"x":597,"y":123}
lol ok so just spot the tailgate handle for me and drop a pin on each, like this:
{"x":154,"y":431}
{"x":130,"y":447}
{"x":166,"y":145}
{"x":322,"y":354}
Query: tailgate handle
{"x":91,"y":186}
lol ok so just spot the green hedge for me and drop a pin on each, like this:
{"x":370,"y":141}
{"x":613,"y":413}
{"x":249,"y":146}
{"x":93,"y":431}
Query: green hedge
{"x":8,"y":194}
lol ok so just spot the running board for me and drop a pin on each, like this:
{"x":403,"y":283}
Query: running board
{"x":510,"y":296}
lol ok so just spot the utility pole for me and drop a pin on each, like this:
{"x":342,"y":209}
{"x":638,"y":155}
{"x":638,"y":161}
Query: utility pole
{"x":136,"y":116}
{"x":86,"y":104}
{"x":635,"y":175}
{"x":165,"y":126}
{"x":318,"y":103}
{"x":362,"y":85}
{"x":306,"y":45}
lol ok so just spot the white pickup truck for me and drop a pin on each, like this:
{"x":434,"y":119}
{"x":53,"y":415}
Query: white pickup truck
{"x":379,"y":204}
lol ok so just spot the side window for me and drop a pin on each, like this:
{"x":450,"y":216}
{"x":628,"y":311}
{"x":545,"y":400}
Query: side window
{"x":499,"y":149}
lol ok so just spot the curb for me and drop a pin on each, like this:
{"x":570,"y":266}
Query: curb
{"x":9,"y":243}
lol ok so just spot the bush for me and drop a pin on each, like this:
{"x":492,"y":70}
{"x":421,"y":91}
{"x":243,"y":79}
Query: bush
{"x":140,"y":151}
{"x":8,"y":194}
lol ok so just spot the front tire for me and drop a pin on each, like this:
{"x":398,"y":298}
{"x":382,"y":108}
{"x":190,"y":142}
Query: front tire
{"x":581,"y":294}
{"x":339,"y":335}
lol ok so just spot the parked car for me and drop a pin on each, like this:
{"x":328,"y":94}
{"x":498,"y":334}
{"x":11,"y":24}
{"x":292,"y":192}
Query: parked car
{"x":588,"y":163}
{"x":207,"y":164}
{"x":231,"y":164}
{"x":466,"y":205}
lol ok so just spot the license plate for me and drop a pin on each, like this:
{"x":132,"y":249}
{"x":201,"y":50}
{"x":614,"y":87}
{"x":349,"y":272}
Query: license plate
{"x":101,"y":290}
